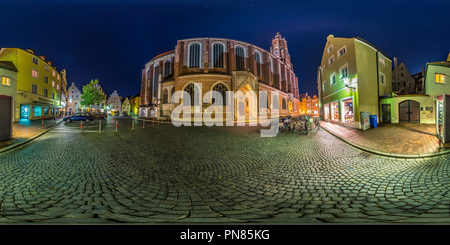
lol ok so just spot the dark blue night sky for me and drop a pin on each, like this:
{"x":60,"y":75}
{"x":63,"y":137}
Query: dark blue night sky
{"x":112,"y":40}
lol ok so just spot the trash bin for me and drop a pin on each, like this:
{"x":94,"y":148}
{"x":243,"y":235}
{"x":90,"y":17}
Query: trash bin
{"x":373,"y":121}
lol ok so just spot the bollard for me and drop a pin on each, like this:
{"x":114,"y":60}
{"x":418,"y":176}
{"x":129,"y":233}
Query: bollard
{"x":42,"y":122}
{"x":439,"y":136}
{"x":81,"y":127}
{"x":132,"y":125}
{"x":100,"y":126}
{"x":143,"y":123}
{"x":116,"y":125}
{"x":153,"y":123}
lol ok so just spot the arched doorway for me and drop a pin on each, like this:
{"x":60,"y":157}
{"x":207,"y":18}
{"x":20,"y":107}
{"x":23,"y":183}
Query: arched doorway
{"x":245,"y":105}
{"x":409,"y":111}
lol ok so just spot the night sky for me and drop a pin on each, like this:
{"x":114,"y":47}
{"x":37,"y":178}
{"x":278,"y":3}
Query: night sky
{"x":112,"y":40}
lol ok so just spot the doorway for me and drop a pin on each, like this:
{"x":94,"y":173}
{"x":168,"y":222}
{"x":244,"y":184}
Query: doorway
{"x":409,"y":111}
{"x":386,"y":113}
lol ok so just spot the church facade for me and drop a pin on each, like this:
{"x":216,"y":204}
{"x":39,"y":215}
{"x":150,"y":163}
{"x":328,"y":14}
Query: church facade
{"x":200,"y":65}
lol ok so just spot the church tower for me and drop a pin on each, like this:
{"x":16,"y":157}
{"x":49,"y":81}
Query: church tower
{"x":280,"y":50}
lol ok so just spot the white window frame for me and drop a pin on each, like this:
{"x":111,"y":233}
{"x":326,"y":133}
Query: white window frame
{"x":7,"y":81}
{"x":331,"y":76}
{"x":35,"y":59}
{"x":170,"y":68}
{"x":260,"y":63}
{"x":443,"y":78}
{"x":382,"y":61}
{"x":37,"y":73}
{"x":343,"y":100}
{"x":382,"y":76}
{"x":326,"y":108}
{"x":323,"y":69}
{"x":200,"y":65}
{"x":330,"y":48}
{"x":340,"y":71}
{"x":245,"y":53}
{"x":343,"y":48}
{"x":324,"y":86}
{"x":331,"y":58}
{"x":331,"y":111}
{"x":212,"y":55}
{"x":37,"y":88}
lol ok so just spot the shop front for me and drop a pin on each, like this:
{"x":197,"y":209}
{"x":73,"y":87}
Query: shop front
{"x":334,"y":111}
{"x":347,"y":111}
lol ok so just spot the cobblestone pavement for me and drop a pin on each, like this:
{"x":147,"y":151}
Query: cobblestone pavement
{"x":26,"y":129}
{"x":399,"y":138}
{"x":222,"y":175}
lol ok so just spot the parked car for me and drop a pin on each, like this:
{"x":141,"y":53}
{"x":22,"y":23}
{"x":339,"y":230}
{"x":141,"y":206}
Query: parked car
{"x":100,"y":115}
{"x":79,"y":117}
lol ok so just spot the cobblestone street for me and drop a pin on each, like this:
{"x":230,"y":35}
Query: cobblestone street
{"x":163,"y":173}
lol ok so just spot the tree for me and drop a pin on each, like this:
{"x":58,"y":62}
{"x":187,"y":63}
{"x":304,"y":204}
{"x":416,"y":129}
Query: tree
{"x":92,"y":94}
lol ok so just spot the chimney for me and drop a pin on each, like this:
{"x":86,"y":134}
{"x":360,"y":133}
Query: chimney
{"x":396,"y":71}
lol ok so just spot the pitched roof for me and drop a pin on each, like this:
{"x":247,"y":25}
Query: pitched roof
{"x":160,"y":55}
{"x":375,"y":47}
{"x":8,"y":65}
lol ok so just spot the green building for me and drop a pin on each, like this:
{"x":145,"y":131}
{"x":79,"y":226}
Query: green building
{"x":354,"y":76}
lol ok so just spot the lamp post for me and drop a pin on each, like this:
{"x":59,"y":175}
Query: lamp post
{"x":348,"y":85}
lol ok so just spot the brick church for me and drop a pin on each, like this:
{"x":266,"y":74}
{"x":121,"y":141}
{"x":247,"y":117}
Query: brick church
{"x":220,"y":65}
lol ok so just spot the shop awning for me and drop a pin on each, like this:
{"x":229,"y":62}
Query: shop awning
{"x":42,"y":104}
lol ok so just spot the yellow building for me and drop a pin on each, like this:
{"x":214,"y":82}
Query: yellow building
{"x":135,"y":101}
{"x":309,"y":106}
{"x":126,"y":105}
{"x":38,"y":84}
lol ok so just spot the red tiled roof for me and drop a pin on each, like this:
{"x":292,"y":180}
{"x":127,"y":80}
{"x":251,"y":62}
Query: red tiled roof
{"x":160,"y":55}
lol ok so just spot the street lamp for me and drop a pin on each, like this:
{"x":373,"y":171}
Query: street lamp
{"x":347,"y":84}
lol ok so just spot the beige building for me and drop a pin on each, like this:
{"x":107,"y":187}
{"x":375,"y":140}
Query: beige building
{"x":126,"y":105}
{"x":114,"y":103}
{"x":8,"y":73}
{"x":73,"y":99}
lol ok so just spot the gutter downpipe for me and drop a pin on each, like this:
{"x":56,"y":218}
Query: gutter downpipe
{"x":378,"y":86}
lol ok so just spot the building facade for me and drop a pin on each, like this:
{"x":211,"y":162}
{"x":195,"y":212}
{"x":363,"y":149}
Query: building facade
{"x":309,"y":105}
{"x":114,"y":103}
{"x":135,"y":102}
{"x":354,"y":76}
{"x":73,"y":100}
{"x":220,"y":65}
{"x":39,"y":84}
{"x":126,"y":105}
{"x":8,"y":73}
{"x":402,"y":81}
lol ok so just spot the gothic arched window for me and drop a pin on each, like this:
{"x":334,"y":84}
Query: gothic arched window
{"x":166,"y":68}
{"x":194,"y":55}
{"x":263,"y":97}
{"x":283,"y":105}
{"x":275,"y":104}
{"x":165,"y":96}
{"x":155,"y":80}
{"x":222,"y":89}
{"x":194,"y":95}
{"x":258,"y":63}
{"x":240,"y":58}
{"x":218,"y":55}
